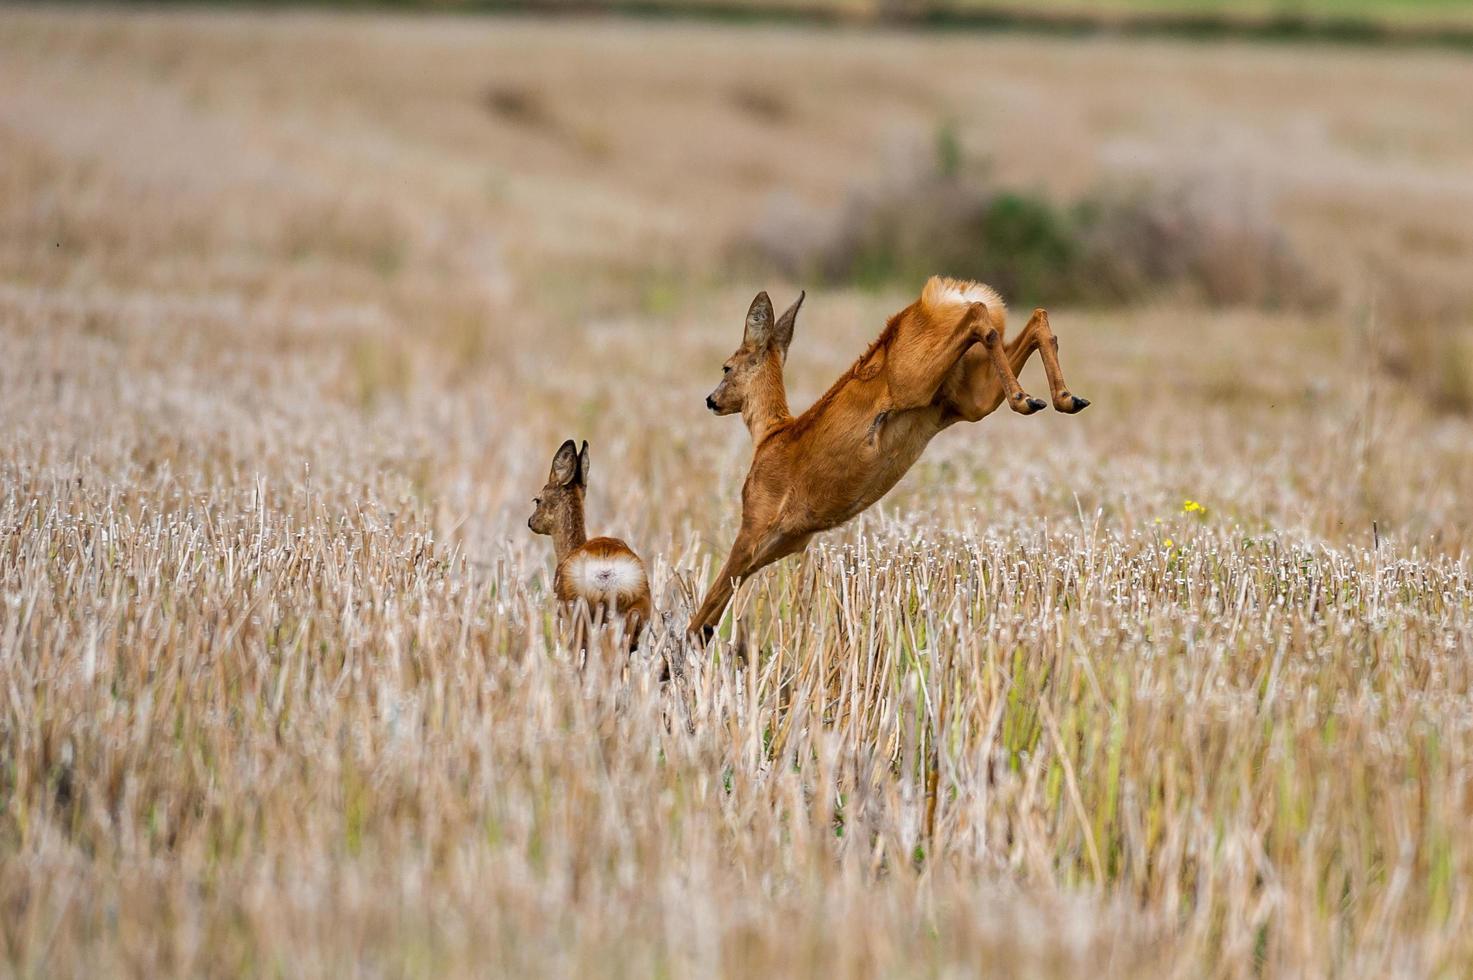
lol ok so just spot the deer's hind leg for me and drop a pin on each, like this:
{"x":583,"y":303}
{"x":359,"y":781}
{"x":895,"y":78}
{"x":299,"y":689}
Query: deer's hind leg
{"x":981,"y":389}
{"x":918,"y":367}
{"x":1041,"y":336}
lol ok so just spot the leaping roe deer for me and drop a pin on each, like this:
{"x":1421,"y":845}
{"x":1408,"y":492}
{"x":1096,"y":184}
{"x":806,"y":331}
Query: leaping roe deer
{"x":603,"y":574}
{"x":943,"y":359}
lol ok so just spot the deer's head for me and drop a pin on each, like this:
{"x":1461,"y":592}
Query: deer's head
{"x":558,"y":510}
{"x":756,"y":369}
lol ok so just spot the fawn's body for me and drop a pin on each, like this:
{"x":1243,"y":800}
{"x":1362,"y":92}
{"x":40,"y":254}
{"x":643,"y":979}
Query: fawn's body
{"x":600,"y":579}
{"x":940,"y":361}
{"x":608,"y":576}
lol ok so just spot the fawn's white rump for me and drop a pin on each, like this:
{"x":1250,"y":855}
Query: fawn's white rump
{"x":605,"y":576}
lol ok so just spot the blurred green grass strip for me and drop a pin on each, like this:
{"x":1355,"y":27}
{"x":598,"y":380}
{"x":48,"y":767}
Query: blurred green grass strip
{"x":1403,"y":23}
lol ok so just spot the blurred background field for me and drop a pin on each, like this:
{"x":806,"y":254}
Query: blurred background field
{"x":295,"y":307}
{"x":1438,"y":21}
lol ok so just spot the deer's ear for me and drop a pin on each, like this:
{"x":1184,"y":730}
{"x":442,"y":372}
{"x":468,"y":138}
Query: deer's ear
{"x":583,"y":464}
{"x":759,"y":323}
{"x":782,"y":333}
{"x":564,"y":464}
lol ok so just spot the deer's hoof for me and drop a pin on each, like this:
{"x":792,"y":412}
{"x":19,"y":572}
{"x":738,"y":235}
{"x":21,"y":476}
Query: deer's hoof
{"x":1025,"y":404}
{"x":1070,"y":404}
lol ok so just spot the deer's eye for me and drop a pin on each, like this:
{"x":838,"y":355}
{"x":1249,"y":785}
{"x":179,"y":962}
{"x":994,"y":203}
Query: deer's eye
{"x":726,"y":369}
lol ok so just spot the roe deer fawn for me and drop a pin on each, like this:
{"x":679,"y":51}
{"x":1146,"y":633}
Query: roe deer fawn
{"x":604,"y":573}
{"x":941,"y":360}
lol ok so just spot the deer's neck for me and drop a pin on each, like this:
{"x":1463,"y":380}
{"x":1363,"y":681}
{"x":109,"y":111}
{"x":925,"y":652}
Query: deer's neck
{"x":568,"y":535}
{"x":766,"y":406}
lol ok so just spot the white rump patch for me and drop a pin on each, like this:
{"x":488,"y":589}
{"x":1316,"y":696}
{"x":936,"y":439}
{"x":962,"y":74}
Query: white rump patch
{"x":958,"y":292}
{"x":596,"y":577}
{"x":975,"y":294}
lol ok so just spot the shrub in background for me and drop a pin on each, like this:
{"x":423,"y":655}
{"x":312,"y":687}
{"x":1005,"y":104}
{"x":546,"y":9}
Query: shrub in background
{"x":1121,"y":243}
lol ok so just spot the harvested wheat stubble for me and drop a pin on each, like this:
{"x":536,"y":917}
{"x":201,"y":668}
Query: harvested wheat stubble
{"x":280,"y":683}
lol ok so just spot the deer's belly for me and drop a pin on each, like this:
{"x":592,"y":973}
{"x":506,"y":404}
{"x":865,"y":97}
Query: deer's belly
{"x":862,"y":473}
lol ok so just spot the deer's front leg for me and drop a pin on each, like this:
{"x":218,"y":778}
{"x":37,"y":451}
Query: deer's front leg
{"x":754,"y":556}
{"x":703,"y":623}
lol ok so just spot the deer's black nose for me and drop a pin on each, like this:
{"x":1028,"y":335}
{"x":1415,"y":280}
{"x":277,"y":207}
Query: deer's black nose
{"x":711,"y":403}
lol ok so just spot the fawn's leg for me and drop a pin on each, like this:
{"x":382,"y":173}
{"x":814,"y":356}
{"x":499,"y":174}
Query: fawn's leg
{"x":981,"y":390}
{"x":581,"y":635}
{"x":639,"y":616}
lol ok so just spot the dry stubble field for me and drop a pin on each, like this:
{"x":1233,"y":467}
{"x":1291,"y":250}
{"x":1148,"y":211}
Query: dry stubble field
{"x":294,"y":310}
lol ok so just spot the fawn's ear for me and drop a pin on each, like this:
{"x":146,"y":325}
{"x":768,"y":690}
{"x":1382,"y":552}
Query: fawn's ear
{"x":583,"y":464}
{"x":564,"y":464}
{"x":782,"y":334}
{"x":759,"y":323}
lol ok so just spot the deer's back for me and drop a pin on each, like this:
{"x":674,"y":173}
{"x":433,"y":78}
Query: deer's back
{"x":856,"y":442}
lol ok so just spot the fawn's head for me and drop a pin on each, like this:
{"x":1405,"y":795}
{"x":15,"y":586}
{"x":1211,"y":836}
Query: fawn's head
{"x":757,"y":364}
{"x":559,"y":507}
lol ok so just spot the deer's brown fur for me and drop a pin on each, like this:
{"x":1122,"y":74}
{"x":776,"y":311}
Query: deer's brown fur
{"x":941,"y":360}
{"x":598,"y":580}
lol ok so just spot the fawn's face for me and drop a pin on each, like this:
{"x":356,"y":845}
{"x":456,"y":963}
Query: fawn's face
{"x":764,"y":349}
{"x":561,"y":498}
